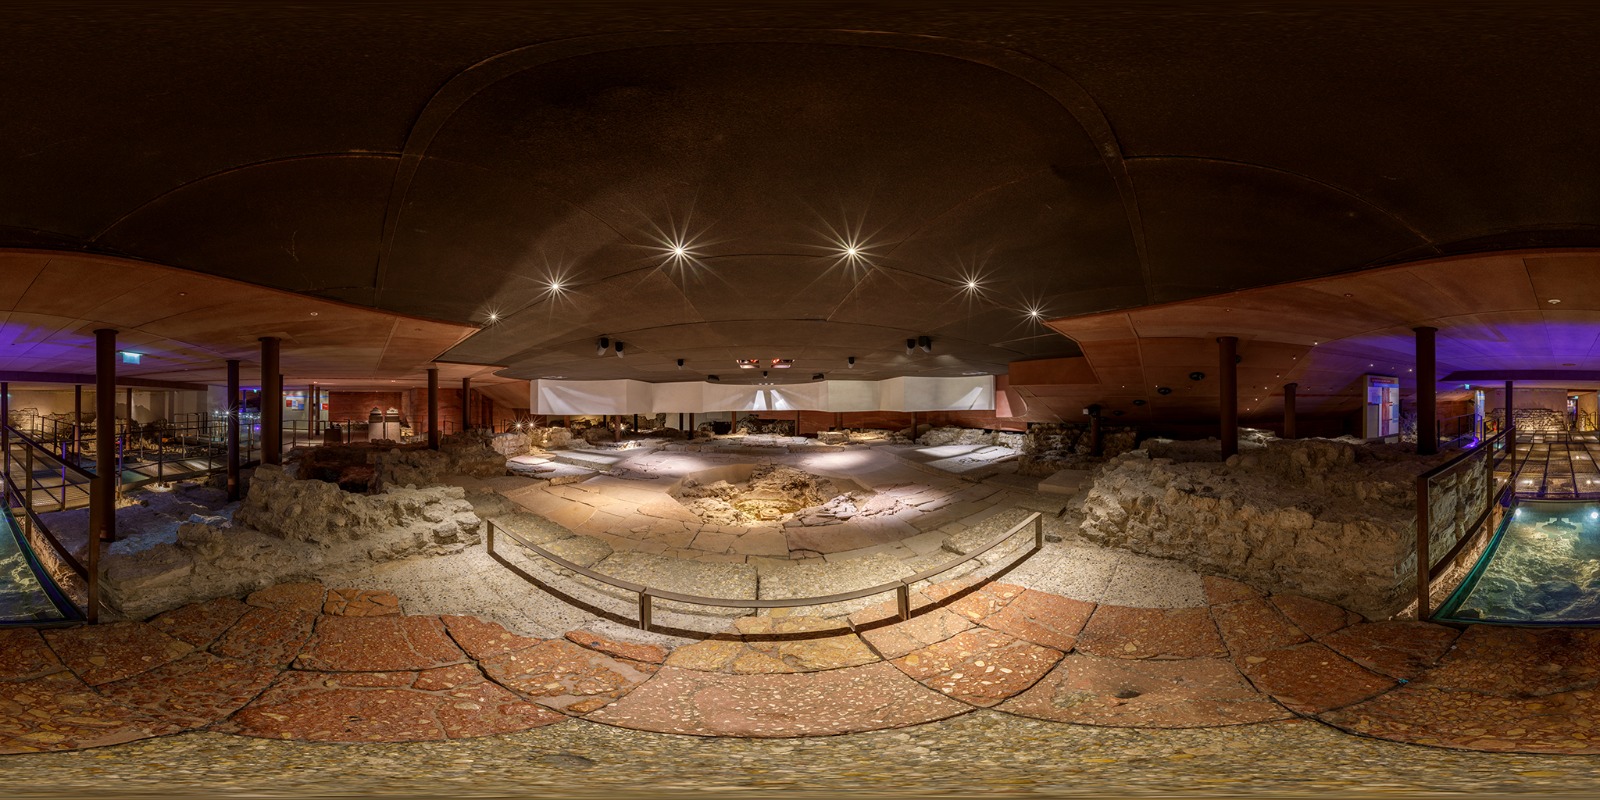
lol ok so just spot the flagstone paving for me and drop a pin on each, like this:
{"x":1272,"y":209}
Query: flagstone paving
{"x":293,"y":662}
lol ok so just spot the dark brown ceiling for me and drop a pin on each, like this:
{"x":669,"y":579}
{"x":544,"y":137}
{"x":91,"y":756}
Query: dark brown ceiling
{"x":447,"y":161}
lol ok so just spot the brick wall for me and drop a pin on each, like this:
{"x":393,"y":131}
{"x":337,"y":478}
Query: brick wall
{"x":355,"y":406}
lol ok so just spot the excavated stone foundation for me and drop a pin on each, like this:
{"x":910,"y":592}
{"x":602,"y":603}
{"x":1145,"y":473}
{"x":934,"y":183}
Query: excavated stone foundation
{"x":1334,"y":520}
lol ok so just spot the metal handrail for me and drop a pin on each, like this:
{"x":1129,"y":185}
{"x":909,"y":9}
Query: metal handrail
{"x":901,"y":587}
{"x":1426,"y":566}
{"x":22,"y":498}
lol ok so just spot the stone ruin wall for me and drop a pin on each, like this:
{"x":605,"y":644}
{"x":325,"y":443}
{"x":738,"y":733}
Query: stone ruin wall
{"x":1532,"y":420}
{"x":1333,"y":520}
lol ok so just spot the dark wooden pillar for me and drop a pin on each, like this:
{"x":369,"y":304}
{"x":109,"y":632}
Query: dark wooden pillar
{"x":466,"y":404}
{"x":102,"y":492}
{"x":1228,"y":393}
{"x":5,"y":430}
{"x":1289,"y":421}
{"x":130,"y":409}
{"x":313,"y":412}
{"x":233,"y":410}
{"x":1506,"y":423}
{"x":271,"y":402}
{"x":77,"y":424}
{"x":1427,"y":392}
{"x":433,"y":408}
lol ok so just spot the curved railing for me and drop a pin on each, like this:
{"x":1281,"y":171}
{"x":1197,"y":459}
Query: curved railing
{"x":1487,"y":456}
{"x":901,"y":587}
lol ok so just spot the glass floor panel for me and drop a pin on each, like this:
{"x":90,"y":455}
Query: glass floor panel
{"x":27,"y":595}
{"x":1541,"y":568}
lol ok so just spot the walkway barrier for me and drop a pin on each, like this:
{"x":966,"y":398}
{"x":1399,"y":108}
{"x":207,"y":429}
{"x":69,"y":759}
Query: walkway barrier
{"x":1486,"y":457}
{"x":901,"y":588}
{"x":19,"y":494}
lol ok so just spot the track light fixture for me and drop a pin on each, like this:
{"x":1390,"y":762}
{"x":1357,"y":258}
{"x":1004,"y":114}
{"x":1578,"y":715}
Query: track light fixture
{"x":713,"y":378}
{"x":851,"y":361}
{"x":926,"y":343}
{"x":619,"y":349}
{"x":602,"y":346}
{"x":816,"y":376}
{"x":680,"y":363}
{"x":911,"y":345}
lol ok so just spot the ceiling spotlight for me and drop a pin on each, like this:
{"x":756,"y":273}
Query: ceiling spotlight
{"x":602,"y":346}
{"x":555,"y":286}
{"x":494,"y":316}
{"x":972,"y":285}
{"x":1163,"y":390}
{"x":1553,"y":301}
{"x":816,"y":376}
{"x":619,"y":349}
{"x":851,"y":361}
{"x":851,"y":251}
{"x":926,"y":343}
{"x":679,"y":251}
{"x":713,"y":378}
{"x":911,"y":344}
{"x":680,"y":363}
{"x":1197,"y":376}
{"x":1034,"y":313}
{"x":763,"y":373}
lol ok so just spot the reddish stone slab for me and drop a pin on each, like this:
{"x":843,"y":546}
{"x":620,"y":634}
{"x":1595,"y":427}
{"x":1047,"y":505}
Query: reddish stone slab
{"x":360,"y":603}
{"x":873,"y":697}
{"x":321,"y":707}
{"x":1227,"y":590}
{"x":193,"y":691}
{"x":1398,"y":649}
{"x":1314,"y":617}
{"x":104,"y":653}
{"x":270,"y":637}
{"x":485,"y":708}
{"x":1044,"y":619}
{"x":200,"y":624}
{"x":1254,"y":625}
{"x":927,"y":627}
{"x":1558,"y":723}
{"x":1148,"y":693}
{"x":24,"y":656}
{"x":984,"y":601}
{"x":60,"y":712}
{"x":290,"y":597}
{"x":1518,"y":662}
{"x":563,"y":676}
{"x":483,"y":639}
{"x":981,"y":666}
{"x":1121,"y":632}
{"x":647,"y":653}
{"x":379,"y":644}
{"x":1311,"y":678}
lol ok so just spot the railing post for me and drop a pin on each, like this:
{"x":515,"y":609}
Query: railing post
{"x":902,"y":597}
{"x":644,"y":610}
{"x":27,"y":482}
{"x":1038,"y":530}
{"x":489,"y":538}
{"x":1424,"y":566}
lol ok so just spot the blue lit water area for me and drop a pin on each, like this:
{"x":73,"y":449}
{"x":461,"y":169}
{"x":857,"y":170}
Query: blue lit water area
{"x":1541,"y":568}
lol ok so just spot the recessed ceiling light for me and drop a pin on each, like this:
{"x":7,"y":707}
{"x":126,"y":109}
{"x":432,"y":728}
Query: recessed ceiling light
{"x":851,"y":251}
{"x":1553,"y":301}
{"x":313,"y":313}
{"x":679,"y":251}
{"x":494,"y":317}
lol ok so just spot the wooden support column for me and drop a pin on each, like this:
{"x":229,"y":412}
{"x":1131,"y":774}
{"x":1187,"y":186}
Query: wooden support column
{"x":102,"y":491}
{"x":77,"y":423}
{"x":466,"y":404}
{"x":1289,"y":421}
{"x":5,"y":428}
{"x":271,"y":402}
{"x":313,"y":412}
{"x":1511,"y":437}
{"x":130,"y":409}
{"x":433,"y":408}
{"x":1228,"y":391}
{"x":1427,"y":392}
{"x":233,"y":410}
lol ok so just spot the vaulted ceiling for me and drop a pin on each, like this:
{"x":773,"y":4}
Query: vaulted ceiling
{"x":838,"y":178}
